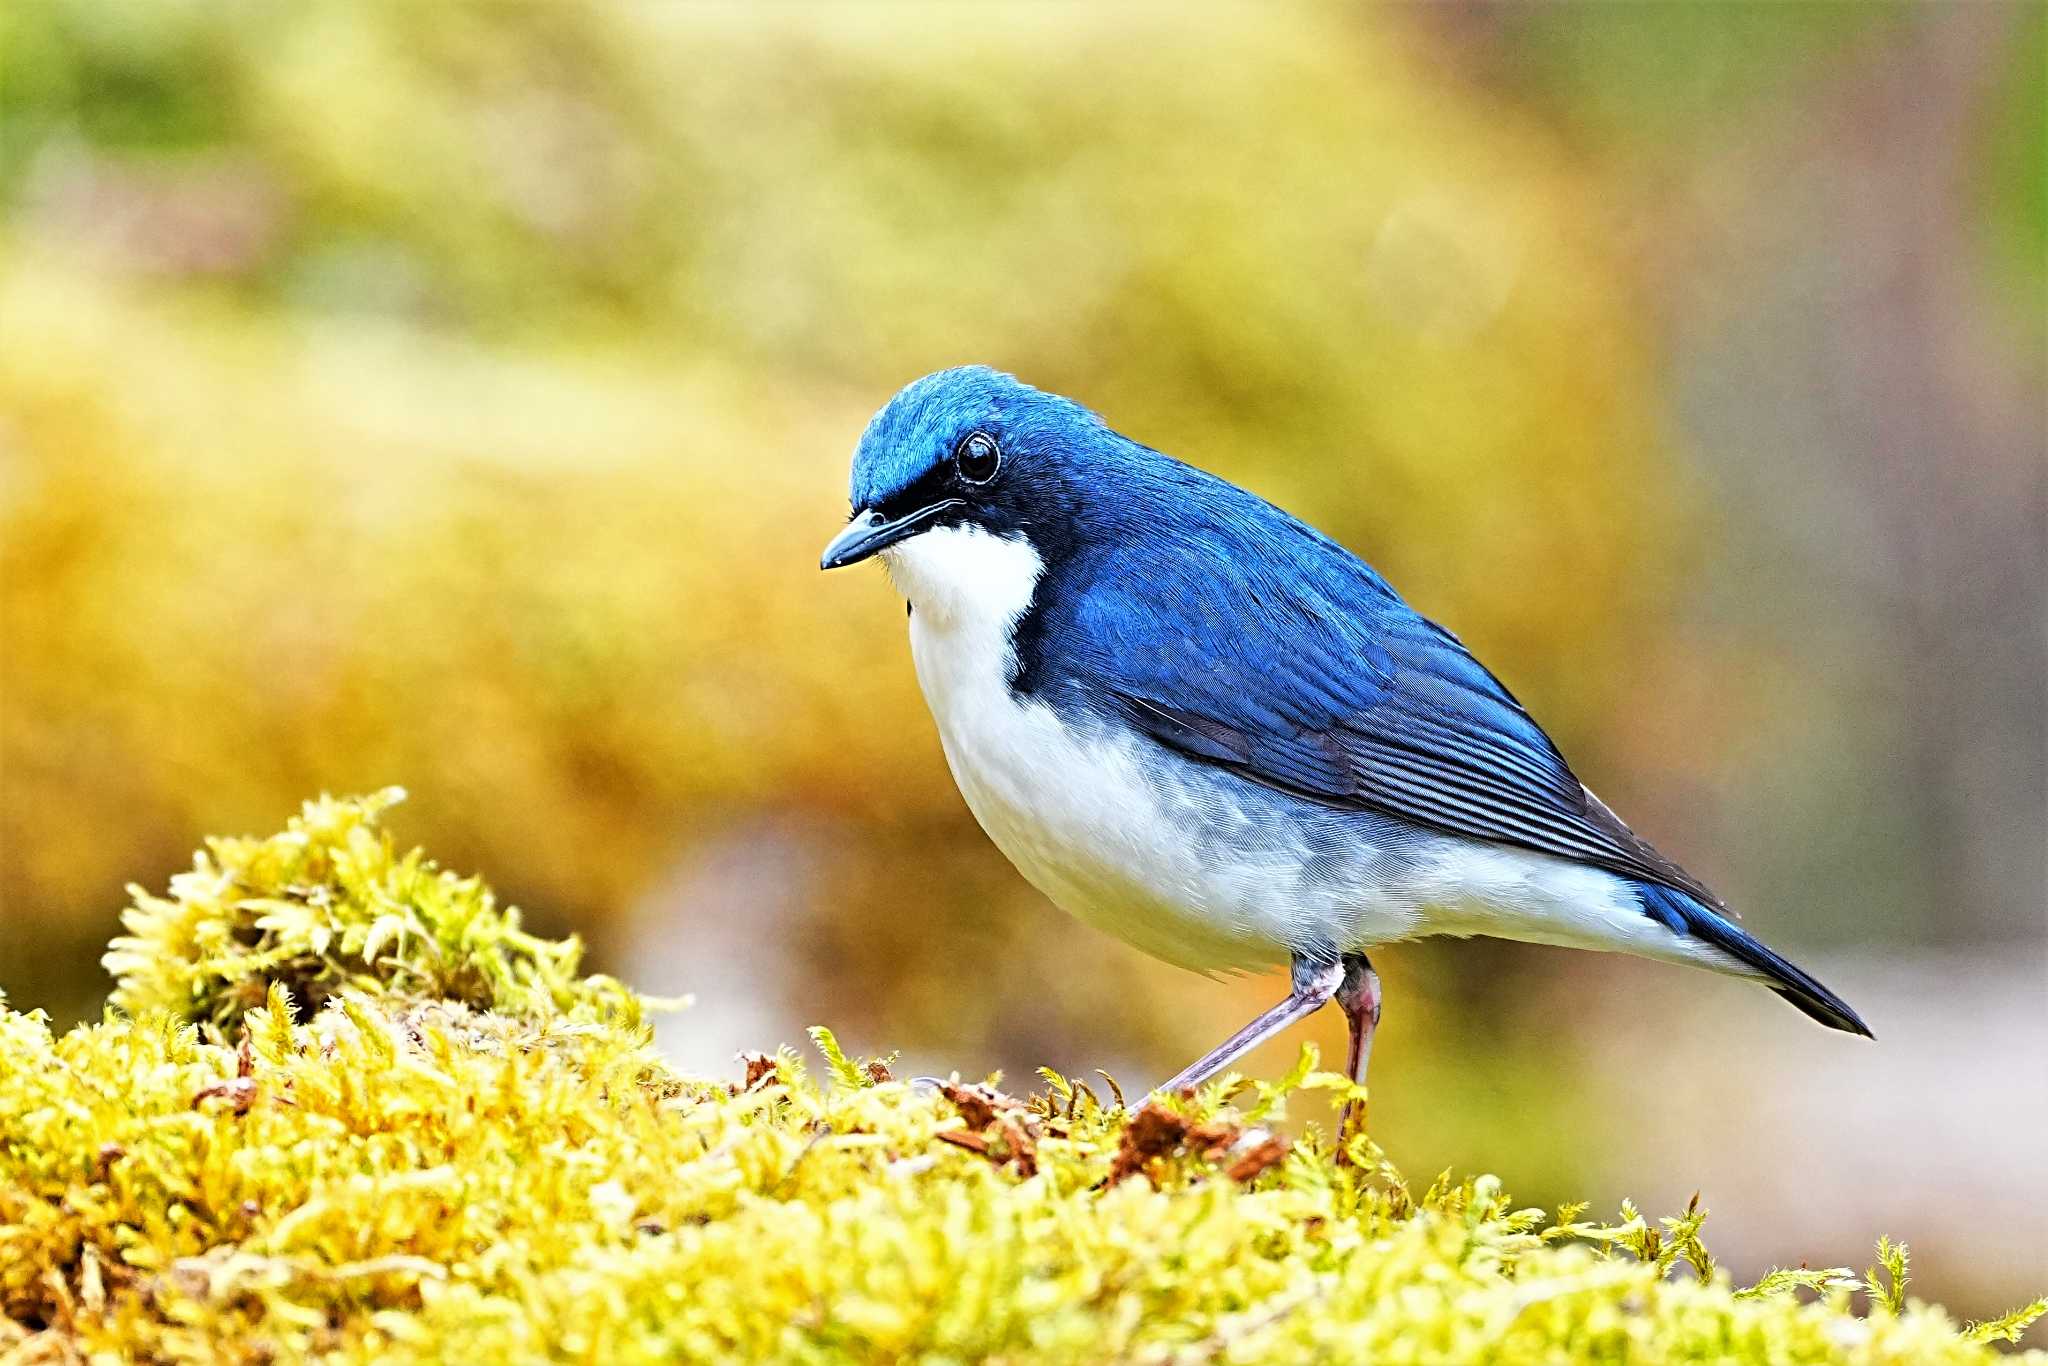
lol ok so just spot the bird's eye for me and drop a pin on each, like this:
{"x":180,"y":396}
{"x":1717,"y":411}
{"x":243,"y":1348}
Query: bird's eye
{"x":977,"y":457}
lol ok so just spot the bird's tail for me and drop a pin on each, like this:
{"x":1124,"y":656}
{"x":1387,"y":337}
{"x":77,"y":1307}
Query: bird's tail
{"x":1685,"y":915}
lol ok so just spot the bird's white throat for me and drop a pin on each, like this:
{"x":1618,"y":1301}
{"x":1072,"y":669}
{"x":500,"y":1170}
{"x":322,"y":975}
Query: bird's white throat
{"x":964,"y":578}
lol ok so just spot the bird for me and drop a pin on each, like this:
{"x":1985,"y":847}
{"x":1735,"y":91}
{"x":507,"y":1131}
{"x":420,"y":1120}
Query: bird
{"x":1194,"y":721}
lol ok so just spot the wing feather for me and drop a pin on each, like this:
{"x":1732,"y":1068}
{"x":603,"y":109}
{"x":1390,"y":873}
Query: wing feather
{"x":1324,"y":683}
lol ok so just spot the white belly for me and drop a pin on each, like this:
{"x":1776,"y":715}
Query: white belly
{"x":1083,"y":824}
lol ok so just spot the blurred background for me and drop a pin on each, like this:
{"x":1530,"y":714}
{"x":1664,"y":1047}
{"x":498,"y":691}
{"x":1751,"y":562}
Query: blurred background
{"x":457,"y":395}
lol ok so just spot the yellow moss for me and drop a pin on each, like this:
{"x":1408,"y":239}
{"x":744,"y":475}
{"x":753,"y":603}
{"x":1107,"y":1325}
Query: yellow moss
{"x":328,"y":905}
{"x":510,"y":1172}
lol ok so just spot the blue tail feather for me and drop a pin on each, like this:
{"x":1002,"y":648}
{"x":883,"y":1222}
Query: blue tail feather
{"x":1684,"y":915}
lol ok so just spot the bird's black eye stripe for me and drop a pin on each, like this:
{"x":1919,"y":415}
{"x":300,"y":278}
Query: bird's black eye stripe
{"x":977,"y":457}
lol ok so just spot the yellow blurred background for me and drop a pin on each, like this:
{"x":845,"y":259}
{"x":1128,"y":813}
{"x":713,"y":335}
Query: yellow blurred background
{"x":457,"y":395}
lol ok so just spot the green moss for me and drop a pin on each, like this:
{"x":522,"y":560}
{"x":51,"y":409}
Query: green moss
{"x":328,"y":906}
{"x":467,"y":1152}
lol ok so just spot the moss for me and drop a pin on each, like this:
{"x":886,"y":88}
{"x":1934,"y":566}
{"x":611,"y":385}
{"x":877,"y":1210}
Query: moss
{"x":469,"y":1152}
{"x":328,"y":905}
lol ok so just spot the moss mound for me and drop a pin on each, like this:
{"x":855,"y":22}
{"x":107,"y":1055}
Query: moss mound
{"x":346,"y":1107}
{"x":329,"y":906}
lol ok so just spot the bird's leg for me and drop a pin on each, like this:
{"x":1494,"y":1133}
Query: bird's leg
{"x":1358,"y":995}
{"x":1315,"y":982}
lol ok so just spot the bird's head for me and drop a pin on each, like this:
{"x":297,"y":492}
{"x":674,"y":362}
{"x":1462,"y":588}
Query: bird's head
{"x":966,"y":472}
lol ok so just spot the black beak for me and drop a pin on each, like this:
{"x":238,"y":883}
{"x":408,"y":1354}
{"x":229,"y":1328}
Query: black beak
{"x":870,"y":531}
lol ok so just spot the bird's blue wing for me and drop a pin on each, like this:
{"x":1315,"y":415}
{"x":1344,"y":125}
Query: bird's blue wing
{"x":1275,"y":653}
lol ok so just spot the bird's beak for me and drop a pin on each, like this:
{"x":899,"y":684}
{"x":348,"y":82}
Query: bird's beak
{"x":870,"y":531}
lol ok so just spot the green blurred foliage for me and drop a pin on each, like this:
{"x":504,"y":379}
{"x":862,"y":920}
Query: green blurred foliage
{"x":1662,"y":76}
{"x":458,"y":394}
{"x":2012,"y":180}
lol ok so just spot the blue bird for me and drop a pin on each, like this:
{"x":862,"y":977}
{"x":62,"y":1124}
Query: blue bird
{"x":1205,"y":727}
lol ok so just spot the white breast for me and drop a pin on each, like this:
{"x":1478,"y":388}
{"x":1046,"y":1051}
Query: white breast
{"x":1069,"y":805}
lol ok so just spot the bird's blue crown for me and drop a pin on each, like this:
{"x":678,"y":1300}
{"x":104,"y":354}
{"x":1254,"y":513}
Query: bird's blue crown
{"x":918,"y":428}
